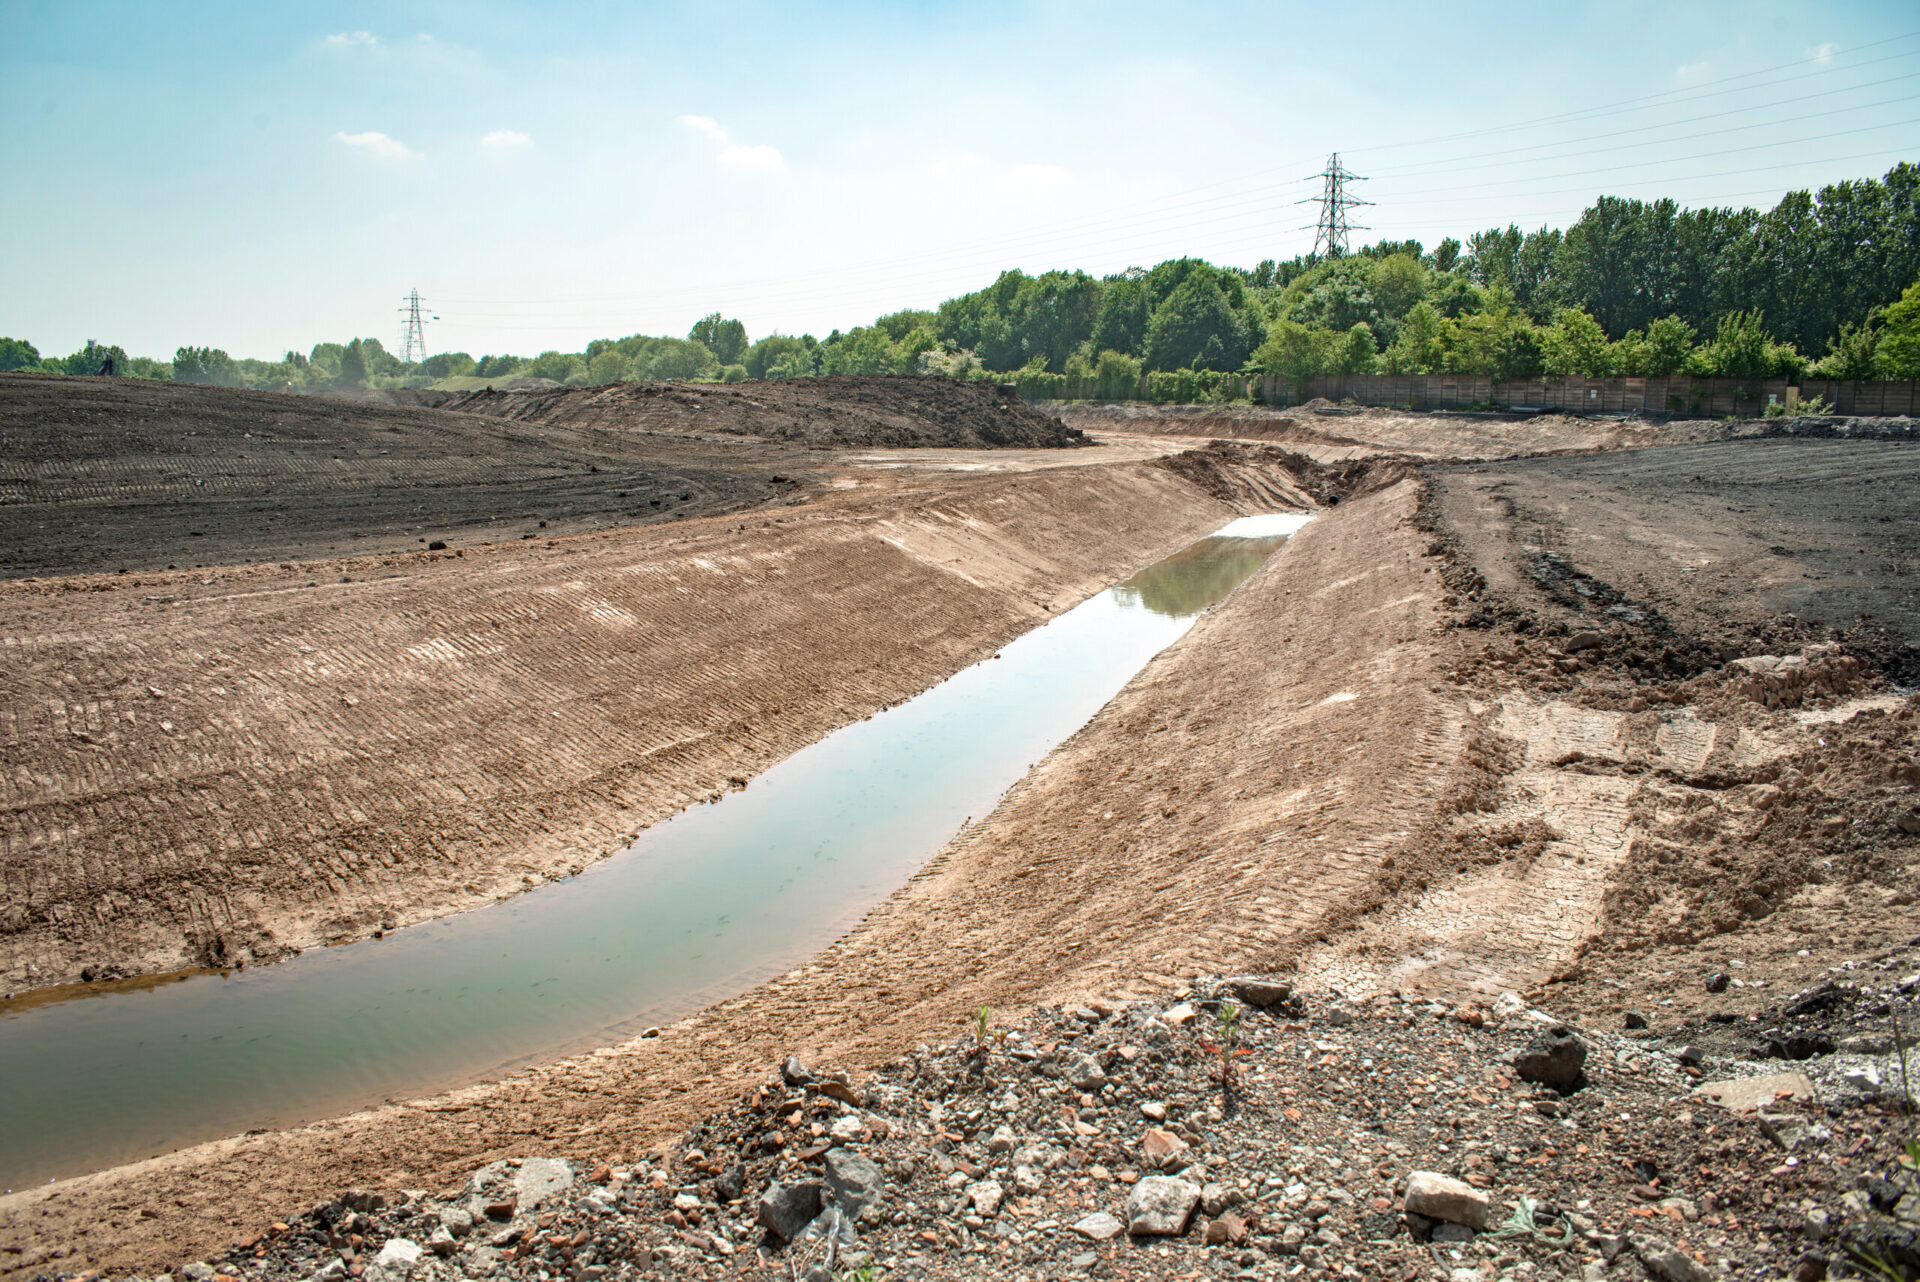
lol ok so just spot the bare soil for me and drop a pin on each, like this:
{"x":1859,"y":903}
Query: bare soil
{"x":102,"y":475}
{"x":1476,"y":729}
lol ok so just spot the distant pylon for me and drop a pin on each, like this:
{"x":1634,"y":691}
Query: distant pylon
{"x":413,"y":340}
{"x":1330,"y":233}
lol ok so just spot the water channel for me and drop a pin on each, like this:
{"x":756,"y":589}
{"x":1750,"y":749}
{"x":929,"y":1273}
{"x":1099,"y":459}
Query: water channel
{"x":702,"y":906}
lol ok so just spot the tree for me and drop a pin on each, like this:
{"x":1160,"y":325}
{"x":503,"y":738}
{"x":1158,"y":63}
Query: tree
{"x":1738,"y":349}
{"x":1421,"y":345}
{"x":1120,"y":324}
{"x":97,"y":358}
{"x":208,"y":365}
{"x":1499,"y":343}
{"x":1576,"y":345}
{"x":1294,"y":351}
{"x":1853,"y":353}
{"x":1662,"y":348}
{"x":609,"y":366}
{"x":726,"y":339}
{"x":1116,"y":376}
{"x":1198,"y":328}
{"x":447,"y":365}
{"x":1899,"y":352}
{"x":864,"y":350}
{"x":1398,"y":282}
{"x":353,"y":365}
{"x":766,"y":353}
{"x":680,"y":358}
{"x":17,"y":353}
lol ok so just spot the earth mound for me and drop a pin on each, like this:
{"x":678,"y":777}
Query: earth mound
{"x":871,"y":411}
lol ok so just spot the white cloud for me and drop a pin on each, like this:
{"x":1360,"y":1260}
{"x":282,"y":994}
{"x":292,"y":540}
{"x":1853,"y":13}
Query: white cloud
{"x":378,"y":144}
{"x":505,"y":140}
{"x":1692,"y":73}
{"x":1823,"y":53}
{"x":352,"y":40}
{"x":745,"y":157}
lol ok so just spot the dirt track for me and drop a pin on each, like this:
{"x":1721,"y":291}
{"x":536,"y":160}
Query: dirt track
{"x":1383,"y":760}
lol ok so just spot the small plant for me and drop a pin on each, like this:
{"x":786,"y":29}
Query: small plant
{"x":1908,"y":1104}
{"x":1227,"y":1049}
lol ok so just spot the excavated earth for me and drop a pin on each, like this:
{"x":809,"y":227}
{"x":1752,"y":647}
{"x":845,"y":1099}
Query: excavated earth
{"x":1549,"y":727}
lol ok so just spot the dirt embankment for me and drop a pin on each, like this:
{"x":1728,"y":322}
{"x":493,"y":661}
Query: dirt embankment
{"x":1334,"y":432}
{"x":841,"y":410}
{"x":215,"y":769}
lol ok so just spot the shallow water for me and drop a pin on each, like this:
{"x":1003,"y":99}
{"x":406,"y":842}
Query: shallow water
{"x":702,"y":906}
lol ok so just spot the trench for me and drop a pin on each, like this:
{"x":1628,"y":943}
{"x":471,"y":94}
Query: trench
{"x":702,"y":906}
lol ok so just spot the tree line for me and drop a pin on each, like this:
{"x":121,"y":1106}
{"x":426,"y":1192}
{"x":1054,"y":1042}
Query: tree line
{"x":1825,"y":284}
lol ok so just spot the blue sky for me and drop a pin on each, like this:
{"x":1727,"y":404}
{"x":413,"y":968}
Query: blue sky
{"x":264,"y":177}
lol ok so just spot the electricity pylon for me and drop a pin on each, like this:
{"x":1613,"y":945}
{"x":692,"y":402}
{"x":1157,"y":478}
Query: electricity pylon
{"x":413,"y":339}
{"x":1330,"y":233}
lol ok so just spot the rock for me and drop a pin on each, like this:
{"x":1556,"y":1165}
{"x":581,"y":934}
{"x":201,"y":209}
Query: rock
{"x":1255,"y":991}
{"x":1160,"y":1148}
{"x":1178,"y":1016}
{"x":442,"y":1243}
{"x":332,"y":1271}
{"x":456,"y":1220}
{"x":1086,"y":1074}
{"x":200,"y":1271}
{"x":730,"y":1184}
{"x":362,"y":1201}
{"x":1554,"y":1058}
{"x":855,"y":1182}
{"x":1099,"y":1226}
{"x":985,"y":1196}
{"x":794,"y":1073}
{"x":1159,"y":1206}
{"x":1690,"y":1056}
{"x":1718,"y":981}
{"x":1741,"y":1094}
{"x":1583,"y":641}
{"x":1028,"y":1180}
{"x":398,"y":1253}
{"x":1507,"y":1005}
{"x":538,"y":1179}
{"x":1637,"y":1020}
{"x":784,"y":1210}
{"x":1452,"y":1233}
{"x":1154,"y":1111}
{"x":1665,"y":1260}
{"x":1003,"y":1140}
{"x":1447,"y":1200}
{"x":847,"y":1129}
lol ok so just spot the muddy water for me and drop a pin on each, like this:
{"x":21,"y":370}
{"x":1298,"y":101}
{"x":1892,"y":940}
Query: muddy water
{"x":701,"y":906}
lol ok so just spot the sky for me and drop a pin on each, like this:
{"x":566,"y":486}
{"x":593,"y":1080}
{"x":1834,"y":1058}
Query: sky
{"x":263,"y":177}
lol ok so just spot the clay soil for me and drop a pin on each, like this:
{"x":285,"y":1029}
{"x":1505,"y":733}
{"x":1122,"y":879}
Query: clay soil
{"x":1477,"y":728}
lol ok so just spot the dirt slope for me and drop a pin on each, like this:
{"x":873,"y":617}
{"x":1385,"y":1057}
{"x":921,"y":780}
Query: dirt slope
{"x":841,"y":410}
{"x":202,"y":772}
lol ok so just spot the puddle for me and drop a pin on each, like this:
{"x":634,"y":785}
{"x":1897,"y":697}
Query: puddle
{"x":702,"y":906}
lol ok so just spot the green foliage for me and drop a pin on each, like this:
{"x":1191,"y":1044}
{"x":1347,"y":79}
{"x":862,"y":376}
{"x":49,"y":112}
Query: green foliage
{"x":1204,"y":322}
{"x":494,"y":366}
{"x":726,"y":339}
{"x":1421,"y":345}
{"x":448,"y":365}
{"x":207,"y":365}
{"x":1576,"y":345}
{"x":18,"y":353}
{"x":865,"y":350}
{"x":96,"y":358}
{"x":663,"y":359}
{"x":1499,"y":343}
{"x":1738,"y":349}
{"x":561,"y":367}
{"x":733,"y":373}
{"x":1659,"y":350}
{"x":609,"y":366}
{"x":1116,"y":376}
{"x":1852,"y":354}
{"x":352,"y":365}
{"x":765,"y":354}
{"x":1898,"y":355}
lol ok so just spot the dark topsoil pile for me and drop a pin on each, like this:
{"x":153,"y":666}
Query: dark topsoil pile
{"x":103,"y":474}
{"x":845,"y":410}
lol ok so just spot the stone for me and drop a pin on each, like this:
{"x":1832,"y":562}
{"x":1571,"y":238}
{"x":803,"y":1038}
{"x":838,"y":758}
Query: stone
{"x":538,"y":1179}
{"x":1159,"y":1206}
{"x":794,"y":1073}
{"x":1450,"y":1201}
{"x":1255,"y":991}
{"x":1178,"y":1016}
{"x":1740,"y":1094}
{"x":200,"y":1271}
{"x":1028,"y":1180}
{"x":847,"y":1129}
{"x":457,"y":1220}
{"x":1665,"y":1260}
{"x":1003,"y":1140}
{"x":1553,"y":1058}
{"x":1086,"y":1074}
{"x":1584,"y":641}
{"x":1718,"y":981}
{"x":1160,"y":1148}
{"x":784,"y":1210}
{"x":985,"y":1196}
{"x":731,"y":1183}
{"x":1154,"y":1111}
{"x":442,"y":1243}
{"x":1100,"y":1226}
{"x":1637,"y":1020}
{"x":398,"y":1253}
{"x":855,"y":1181}
{"x":1452,"y":1233}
